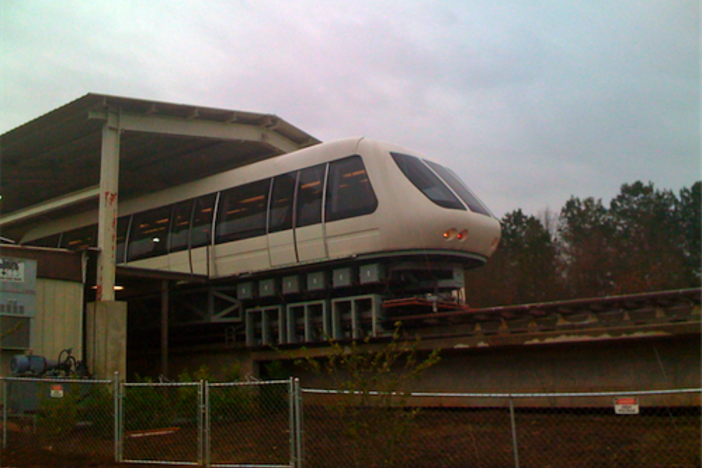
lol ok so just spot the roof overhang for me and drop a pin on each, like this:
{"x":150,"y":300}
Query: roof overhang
{"x":50,"y":166}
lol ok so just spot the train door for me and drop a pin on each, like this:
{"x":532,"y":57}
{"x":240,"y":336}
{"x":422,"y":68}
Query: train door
{"x":310,"y":236}
{"x":178,"y":237}
{"x":241,"y":243}
{"x":201,"y":234}
{"x":148,"y":239}
{"x":190,"y":235}
{"x":281,"y":237}
{"x":349,"y":197}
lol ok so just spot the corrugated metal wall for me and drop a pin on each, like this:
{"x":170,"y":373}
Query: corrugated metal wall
{"x":58,"y":323}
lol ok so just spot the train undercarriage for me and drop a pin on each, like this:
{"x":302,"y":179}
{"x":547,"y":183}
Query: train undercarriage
{"x":306,"y":304}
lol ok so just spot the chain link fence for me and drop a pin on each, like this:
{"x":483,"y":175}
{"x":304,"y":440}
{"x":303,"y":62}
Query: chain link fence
{"x":501,"y":430}
{"x":65,"y":416}
{"x":193,"y":423}
{"x":161,"y":422}
{"x":260,"y":424}
{"x":253,"y":423}
{"x":212,"y":424}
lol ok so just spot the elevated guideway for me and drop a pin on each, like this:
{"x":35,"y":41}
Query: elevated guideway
{"x":631,"y":342}
{"x":616,"y":317}
{"x":449,"y":324}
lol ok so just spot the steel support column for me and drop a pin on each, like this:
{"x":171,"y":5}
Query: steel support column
{"x":107,"y":215}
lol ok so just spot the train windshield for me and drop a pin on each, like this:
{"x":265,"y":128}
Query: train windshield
{"x":427,"y":181}
{"x":439,"y":184}
{"x":460,"y":189}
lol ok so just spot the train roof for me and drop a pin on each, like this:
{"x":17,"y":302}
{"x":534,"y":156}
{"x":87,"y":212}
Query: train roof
{"x":50,"y":166}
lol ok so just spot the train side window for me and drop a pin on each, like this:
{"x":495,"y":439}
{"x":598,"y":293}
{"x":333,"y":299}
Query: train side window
{"x":122,"y":228}
{"x":349,"y":191}
{"x":201,"y":232}
{"x":242,"y":212}
{"x":280,"y":216}
{"x":310,"y":188}
{"x":180,"y":226}
{"x":426,"y":181}
{"x":460,"y":189}
{"x":80,"y":239}
{"x":149,"y":233}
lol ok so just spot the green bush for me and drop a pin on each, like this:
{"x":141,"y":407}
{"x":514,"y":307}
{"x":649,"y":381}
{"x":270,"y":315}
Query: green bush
{"x":147,"y":407}
{"x":80,"y":402}
{"x":375,"y":383}
{"x":234,"y":403}
{"x":57,"y":416}
{"x":274,"y":398}
{"x":97,"y":407}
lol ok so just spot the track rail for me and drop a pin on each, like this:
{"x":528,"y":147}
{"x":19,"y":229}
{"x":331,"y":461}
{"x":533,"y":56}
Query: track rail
{"x":675,"y":305}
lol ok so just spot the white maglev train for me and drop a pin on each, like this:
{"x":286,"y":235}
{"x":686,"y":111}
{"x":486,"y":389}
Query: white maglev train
{"x":351,"y":198}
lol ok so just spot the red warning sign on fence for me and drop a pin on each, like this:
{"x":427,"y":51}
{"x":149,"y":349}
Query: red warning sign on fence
{"x":626,"y":405}
{"x":56,"y":391}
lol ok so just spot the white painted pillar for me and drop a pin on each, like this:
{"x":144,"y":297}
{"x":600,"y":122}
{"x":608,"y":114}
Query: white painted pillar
{"x":107,"y":216}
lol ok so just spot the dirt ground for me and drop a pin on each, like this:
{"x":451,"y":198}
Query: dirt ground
{"x":48,"y":458}
{"x":44,"y":458}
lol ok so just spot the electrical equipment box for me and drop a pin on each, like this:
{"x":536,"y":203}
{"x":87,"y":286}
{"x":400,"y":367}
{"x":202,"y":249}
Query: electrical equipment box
{"x":244,"y":291}
{"x":316,"y":281}
{"x":343,"y":277}
{"x":291,"y":284}
{"x":266,"y":288}
{"x":373,"y":273}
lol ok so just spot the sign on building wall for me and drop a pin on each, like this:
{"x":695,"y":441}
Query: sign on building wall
{"x":12,"y":271}
{"x":18,"y":287}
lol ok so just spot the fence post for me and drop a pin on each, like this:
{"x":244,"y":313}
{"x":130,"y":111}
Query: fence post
{"x":300,"y":428}
{"x":4,"y":414}
{"x":292,"y":421}
{"x":515,"y":442}
{"x":119,"y":417}
{"x":295,"y":422}
{"x":204,"y":422}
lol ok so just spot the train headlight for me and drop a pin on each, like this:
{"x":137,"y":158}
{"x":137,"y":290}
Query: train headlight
{"x":450,"y":234}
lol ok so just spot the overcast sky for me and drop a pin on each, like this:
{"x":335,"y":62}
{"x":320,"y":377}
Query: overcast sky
{"x":530,"y":102}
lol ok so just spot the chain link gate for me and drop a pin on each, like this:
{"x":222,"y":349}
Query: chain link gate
{"x":237,"y":424}
{"x":253,"y":424}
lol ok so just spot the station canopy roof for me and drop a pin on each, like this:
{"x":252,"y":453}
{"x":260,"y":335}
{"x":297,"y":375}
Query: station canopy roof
{"x":50,"y":166}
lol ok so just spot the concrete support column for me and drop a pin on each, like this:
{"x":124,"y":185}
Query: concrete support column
{"x":107,"y":215}
{"x":106,"y":338}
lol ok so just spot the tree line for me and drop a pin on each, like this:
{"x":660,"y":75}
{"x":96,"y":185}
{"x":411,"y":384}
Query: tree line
{"x":646,"y":240}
